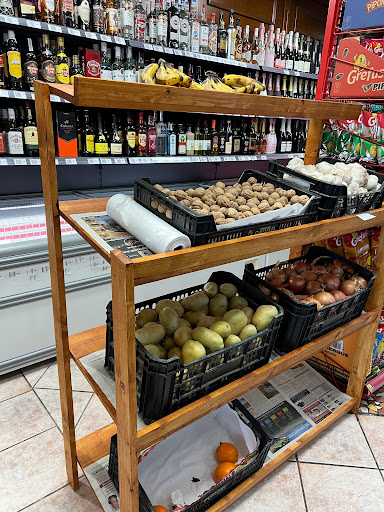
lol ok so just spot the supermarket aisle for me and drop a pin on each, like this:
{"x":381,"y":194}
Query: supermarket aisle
{"x":342,"y":471}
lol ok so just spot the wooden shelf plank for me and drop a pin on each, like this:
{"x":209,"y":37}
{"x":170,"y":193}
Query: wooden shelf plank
{"x":93,"y":340}
{"x":88,"y":92}
{"x":96,"y":446}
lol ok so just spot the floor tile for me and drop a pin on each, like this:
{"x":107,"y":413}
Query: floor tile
{"x":373,"y":429}
{"x":34,"y":372}
{"x":50,"y":379}
{"x":51,"y":400}
{"x":342,"y":489}
{"x":22,"y":417}
{"x":66,"y":500}
{"x":95,"y":416}
{"x":12,"y":384}
{"x":31,"y":470}
{"x":280,"y":492}
{"x":342,"y":444}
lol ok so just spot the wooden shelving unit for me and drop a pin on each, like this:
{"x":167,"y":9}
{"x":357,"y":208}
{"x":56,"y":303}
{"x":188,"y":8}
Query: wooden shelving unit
{"x":127,"y":273}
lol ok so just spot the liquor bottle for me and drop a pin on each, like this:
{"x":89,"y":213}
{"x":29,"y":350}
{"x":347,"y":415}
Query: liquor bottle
{"x":190,"y":71}
{"x":190,"y":136}
{"x":61,"y":68}
{"x":284,"y":90}
{"x":270,"y":85}
{"x":162,"y":25}
{"x":222,"y":138}
{"x":300,"y":92}
{"x":116,"y":144}
{"x":307,"y":56}
{"x":6,"y":8}
{"x":3,"y":117}
{"x":214,"y":139}
{"x":271,"y":138}
{"x":130,"y":67}
{"x":288,"y":137}
{"x":161,"y":136}
{"x":83,"y":15}
{"x":194,"y":28}
{"x":277,"y":91}
{"x":295,"y":88}
{"x":75,"y":69}
{"x":206,"y":139}
{"x":151,"y":137}
{"x":252,"y":138}
{"x":173,"y":26}
{"x":30,"y":68}
{"x":98,"y":16}
{"x":130,"y":136}
{"x":65,"y":13}
{"x":25,"y":9}
{"x":231,"y":37}
{"x":255,"y":46}
{"x":228,"y":138}
{"x":127,"y":19}
{"x":112,"y":18}
{"x":236,"y":141}
{"x":198,"y":145}
{"x":183,"y":28}
{"x":270,"y":49}
{"x":47,"y":8}
{"x":261,"y":45}
{"x":238,"y":41}
{"x":282,"y":138}
{"x":105,"y":63}
{"x":244,"y":143}
{"x":140,"y":66}
{"x":139,"y":21}
{"x":15,"y":79}
{"x":312,"y":90}
{"x":262,"y":139}
{"x":212,"y":36}
{"x":31,"y":141}
{"x":289,"y":51}
{"x":264,"y":83}
{"x":306,"y":90}
{"x":301,"y":54}
{"x":172,"y":140}
{"x":222,"y":38}
{"x":88,"y":143}
{"x":152,"y":26}
{"x":199,"y":74}
{"x":290,"y":87}
{"x":13,"y":136}
{"x":118,"y":66}
{"x":296,"y":56}
{"x":3,"y":69}
{"x":101,"y":142}
{"x":141,"y":136}
{"x":247,"y":47}
{"x":181,"y":141}
{"x":204,"y":32}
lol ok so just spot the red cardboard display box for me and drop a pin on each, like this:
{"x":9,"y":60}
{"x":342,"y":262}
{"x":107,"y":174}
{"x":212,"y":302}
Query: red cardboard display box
{"x":90,"y":62}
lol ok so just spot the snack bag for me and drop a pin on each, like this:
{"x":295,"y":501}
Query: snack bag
{"x":335,"y":244}
{"x":328,"y":141}
{"x":369,"y":128}
{"x":356,"y":247}
{"x":380,"y":138}
{"x":375,"y":46}
{"x":375,"y":236}
{"x":344,"y":140}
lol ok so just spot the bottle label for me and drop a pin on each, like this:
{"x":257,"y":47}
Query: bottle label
{"x":127,"y":17}
{"x":222,"y":144}
{"x":131,"y":139}
{"x":112,"y":21}
{"x":62,"y":74}
{"x":50,"y":5}
{"x":130,"y":75}
{"x":174,"y":24}
{"x":172,"y":144}
{"x":14,"y":63}
{"x":48,"y":71}
{"x":152,"y":29}
{"x":93,"y":68}
{"x":195,"y":36}
{"x":30,"y":137}
{"x":67,"y":6}
{"x":307,"y":67}
{"x":223,"y":44}
{"x":204,"y":32}
{"x":236,"y":145}
{"x":182,"y":149}
{"x":118,"y":74}
{"x":90,"y":143}
{"x":27,"y":8}
{"x":289,"y":64}
{"x":215,"y":143}
{"x":246,"y":146}
{"x":2,"y":145}
{"x":288,"y":146}
{"x":98,"y":17}
{"x":190,"y":145}
{"x":106,"y":74}
{"x":152,"y":143}
{"x":15,"y":143}
{"x":247,"y":56}
{"x":116,"y":148}
{"x":140,"y":26}
{"x":212,"y":42}
{"x":207,"y":145}
{"x":84,"y":12}
{"x":228,"y":146}
{"x":6,"y":7}
{"x":101,"y":148}
{"x":283,"y":146}
{"x":31,"y":71}
{"x":271,"y":143}
{"x":252,"y":143}
{"x":142,"y":141}
{"x":183,"y":30}
{"x":162,"y":25}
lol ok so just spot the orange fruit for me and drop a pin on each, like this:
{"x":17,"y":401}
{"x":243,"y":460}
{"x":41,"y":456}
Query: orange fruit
{"x":227,"y":452}
{"x":160,"y":508}
{"x":223,"y":470}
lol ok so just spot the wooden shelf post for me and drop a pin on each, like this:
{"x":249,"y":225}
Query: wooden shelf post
{"x":314,"y":138}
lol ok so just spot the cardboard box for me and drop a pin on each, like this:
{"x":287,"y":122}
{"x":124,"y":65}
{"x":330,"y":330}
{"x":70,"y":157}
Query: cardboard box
{"x":66,"y":134}
{"x":363,"y":14}
{"x":90,"y":62}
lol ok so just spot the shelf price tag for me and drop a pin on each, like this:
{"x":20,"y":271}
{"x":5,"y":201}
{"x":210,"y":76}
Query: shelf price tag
{"x":3,"y":161}
{"x":285,"y":71}
{"x":365,"y":216}
{"x":168,"y":50}
{"x":214,"y":159}
{"x":157,"y":48}
{"x":12,"y":20}
{"x":74,"y":32}
{"x":297,"y":73}
{"x":103,"y":37}
{"x":120,"y":40}
{"x":20,"y":95}
{"x":34,"y":161}
{"x":70,"y":161}
{"x":91,"y":35}
{"x":148,"y":46}
{"x":93,"y":161}
{"x":178,"y":52}
{"x":20,"y":161}
{"x":290,"y":155}
{"x":105,"y":161}
{"x":120,"y":160}
{"x":33,"y":24}
{"x":263,"y":157}
{"x":230,"y":158}
{"x":55,"y":98}
{"x":54,"y":28}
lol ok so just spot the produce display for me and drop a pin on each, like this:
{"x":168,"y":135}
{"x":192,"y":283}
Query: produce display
{"x":164,"y":74}
{"x":353,"y":175}
{"x":312,"y":283}
{"x":229,"y":203}
{"x":201,"y":323}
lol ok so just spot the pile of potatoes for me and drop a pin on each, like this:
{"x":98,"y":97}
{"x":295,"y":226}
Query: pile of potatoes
{"x":200,"y":324}
{"x":230,"y":203}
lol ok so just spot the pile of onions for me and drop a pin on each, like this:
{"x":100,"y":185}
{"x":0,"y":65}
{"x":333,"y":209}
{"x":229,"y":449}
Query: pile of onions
{"x":321,"y":284}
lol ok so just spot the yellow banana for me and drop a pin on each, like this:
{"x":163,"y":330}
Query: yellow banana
{"x":247,"y":89}
{"x":195,"y":85}
{"x":166,"y":75}
{"x":148,"y":73}
{"x":213,"y":82}
{"x":209,"y":84}
{"x":241,"y":81}
{"x":185,"y":79}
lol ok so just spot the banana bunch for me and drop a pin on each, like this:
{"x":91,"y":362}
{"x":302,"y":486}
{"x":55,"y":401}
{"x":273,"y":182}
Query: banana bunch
{"x":185,"y":79}
{"x":196,"y":85}
{"x":165,"y":75}
{"x":148,"y":74}
{"x":239,"y":82}
{"x":213,"y":82}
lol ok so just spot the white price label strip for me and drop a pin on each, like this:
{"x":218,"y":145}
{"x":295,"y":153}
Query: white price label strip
{"x":120,"y":160}
{"x":263,"y":157}
{"x":3,"y":161}
{"x":105,"y":38}
{"x":91,"y":35}
{"x":120,"y":40}
{"x":54,"y":28}
{"x":93,"y":161}
{"x":105,"y":161}
{"x":20,"y":95}
{"x":33,"y":24}
{"x":70,"y":161}
{"x":34,"y":161}
{"x":20,"y":161}
{"x":366,"y":216}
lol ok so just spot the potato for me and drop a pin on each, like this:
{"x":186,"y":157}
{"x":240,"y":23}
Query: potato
{"x":154,"y":350}
{"x":230,"y":340}
{"x":222,"y":328}
{"x":210,"y":339}
{"x":174,"y":352}
{"x":205,"y":310}
{"x":228,"y":289}
{"x":195,"y":302}
{"x":263,"y":316}
{"x":237,"y":303}
{"x":146,"y":315}
{"x":182,"y":335}
{"x":249,"y":312}
{"x":192,"y":350}
{"x":163,"y":352}
{"x":218,"y":305}
{"x":247,"y":331}
{"x":237,"y":319}
{"x":184,"y":323}
{"x":150,"y":334}
{"x":169,"y":320}
{"x":167,"y":303}
{"x":168,"y":343}
{"x":211,"y":289}
{"x":194,"y":317}
{"x":207,"y":321}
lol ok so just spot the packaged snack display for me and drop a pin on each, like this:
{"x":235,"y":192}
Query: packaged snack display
{"x":356,"y":247}
{"x":335,"y":244}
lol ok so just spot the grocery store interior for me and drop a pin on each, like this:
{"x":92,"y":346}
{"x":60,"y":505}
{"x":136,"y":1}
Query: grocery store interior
{"x":191,"y":259}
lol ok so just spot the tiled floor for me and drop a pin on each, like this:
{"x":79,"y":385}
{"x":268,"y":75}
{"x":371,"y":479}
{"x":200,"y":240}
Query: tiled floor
{"x":342,"y":471}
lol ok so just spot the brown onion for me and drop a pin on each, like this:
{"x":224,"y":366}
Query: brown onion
{"x":330,"y":282}
{"x":264,"y":289}
{"x":297,"y":284}
{"x":275,"y":273}
{"x":300,"y":266}
{"x":278,"y":282}
{"x":349,"y":287}
{"x":338,"y":294}
{"x":336,"y":270}
{"x":325,"y":298}
{"x":289,"y":272}
{"x":309,"y":275}
{"x":311,"y":300}
{"x":319,"y":269}
{"x":360,"y":280}
{"x":313,"y":287}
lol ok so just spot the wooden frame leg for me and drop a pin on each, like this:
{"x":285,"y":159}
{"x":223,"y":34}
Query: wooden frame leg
{"x":314,"y":138}
{"x":123,"y":302}
{"x":50,"y":190}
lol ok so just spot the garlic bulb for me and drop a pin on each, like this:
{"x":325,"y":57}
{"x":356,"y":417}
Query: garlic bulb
{"x":372,"y":182}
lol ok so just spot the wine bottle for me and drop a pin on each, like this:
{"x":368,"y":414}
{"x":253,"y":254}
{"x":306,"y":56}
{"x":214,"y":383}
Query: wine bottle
{"x":101,"y":142}
{"x":75,"y":69}
{"x":181,"y":141}
{"x":3,"y":68}
{"x":261,"y":45}
{"x":288,"y":137}
{"x":112,"y":18}
{"x":206,"y":139}
{"x":161,"y":136}
{"x":277,"y":91}
{"x":238,"y":41}
{"x":283,"y":138}
{"x":13,"y":136}
{"x":151,"y":137}
{"x":289,"y":51}
{"x":255,"y":46}
{"x":247,"y":47}
{"x":130,"y":136}
{"x":194,"y":28}
{"x":190,"y":136}
{"x":244,"y":149}
{"x":198,"y":140}
{"x":105,"y":63}
{"x":222,"y":137}
{"x":270,"y":49}
{"x":214,"y":139}
{"x":184,"y":28}
{"x":271,"y":137}
{"x":252,"y":138}
{"x":284,"y":91}
{"x":152,"y":25}
{"x":116,"y":145}
{"x":172,"y":140}
{"x":127,"y":20}
{"x":130,"y":67}
{"x":307,"y":56}
{"x":117,"y":66}
{"x":236,"y":140}
{"x":262,"y":139}
{"x":270,"y":85}
{"x":228,"y":138}
{"x":31,"y":141}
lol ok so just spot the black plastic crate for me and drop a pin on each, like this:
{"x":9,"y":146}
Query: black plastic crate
{"x":303,"y":323}
{"x":334,"y":201}
{"x":164,"y":386}
{"x":215,"y":494}
{"x":201,"y":229}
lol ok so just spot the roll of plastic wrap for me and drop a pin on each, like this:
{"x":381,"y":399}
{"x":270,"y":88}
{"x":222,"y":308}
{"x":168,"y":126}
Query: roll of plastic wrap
{"x":153,"y":232}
